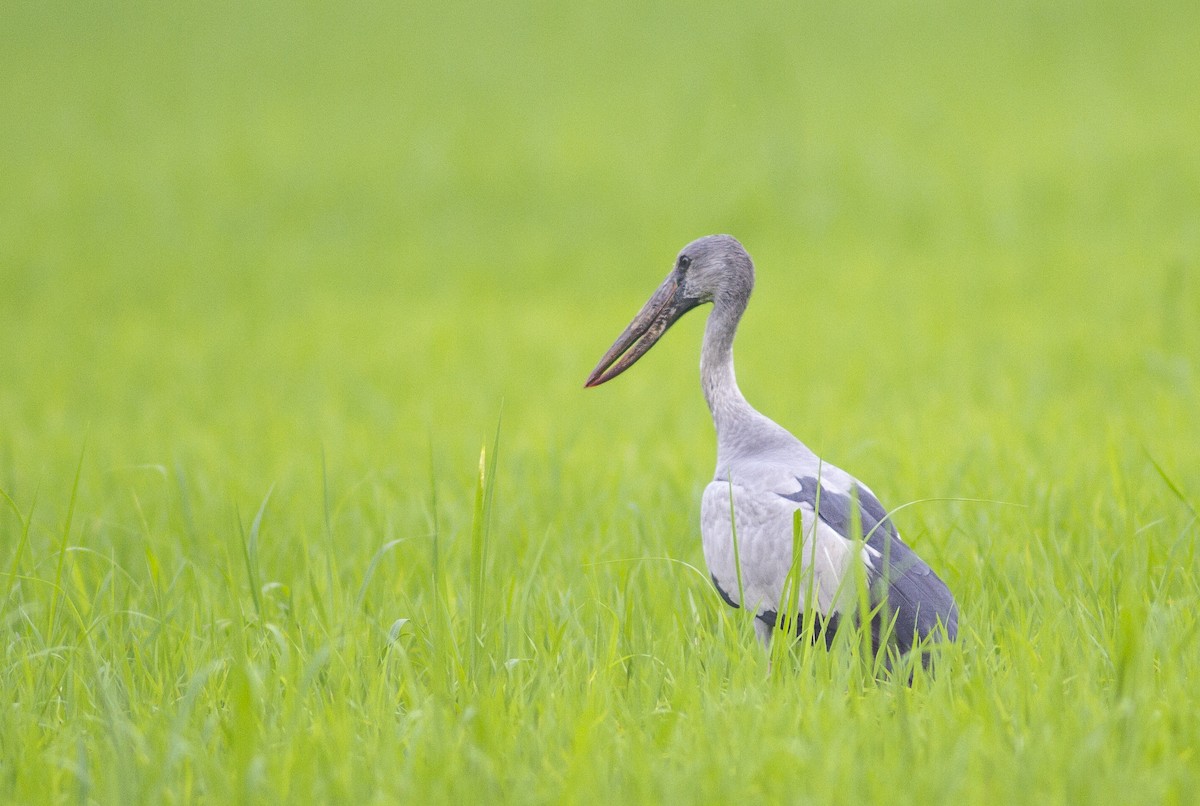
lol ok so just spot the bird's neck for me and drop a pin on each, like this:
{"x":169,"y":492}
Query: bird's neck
{"x":725,"y":400}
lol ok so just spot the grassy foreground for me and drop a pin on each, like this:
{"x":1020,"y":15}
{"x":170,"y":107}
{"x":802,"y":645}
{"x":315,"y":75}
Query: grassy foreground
{"x":271,"y":276}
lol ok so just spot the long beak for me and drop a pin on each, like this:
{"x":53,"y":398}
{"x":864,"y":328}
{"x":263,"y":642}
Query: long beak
{"x":659,"y":313}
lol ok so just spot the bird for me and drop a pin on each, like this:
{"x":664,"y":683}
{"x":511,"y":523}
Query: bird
{"x":765,"y":475}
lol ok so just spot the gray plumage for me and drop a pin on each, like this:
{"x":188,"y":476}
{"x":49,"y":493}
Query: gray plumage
{"x":764,"y":474}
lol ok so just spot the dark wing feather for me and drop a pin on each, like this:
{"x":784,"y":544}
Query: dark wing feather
{"x":915,"y":597}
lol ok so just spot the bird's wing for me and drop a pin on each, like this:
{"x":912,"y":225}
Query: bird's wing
{"x":915,"y":596}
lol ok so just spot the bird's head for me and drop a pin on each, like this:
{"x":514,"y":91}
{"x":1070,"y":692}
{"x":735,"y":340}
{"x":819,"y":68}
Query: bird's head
{"x":713,"y":269}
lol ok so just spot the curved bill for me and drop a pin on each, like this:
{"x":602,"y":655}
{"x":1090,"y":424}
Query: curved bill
{"x":659,"y":313}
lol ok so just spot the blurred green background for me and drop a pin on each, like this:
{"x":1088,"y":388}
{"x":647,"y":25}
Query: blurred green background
{"x":221,"y":221}
{"x":319,"y":248}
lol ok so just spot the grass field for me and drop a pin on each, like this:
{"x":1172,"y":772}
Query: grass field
{"x":271,"y":275}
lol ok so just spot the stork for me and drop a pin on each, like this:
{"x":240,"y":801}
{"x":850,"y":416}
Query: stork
{"x":765,"y":475}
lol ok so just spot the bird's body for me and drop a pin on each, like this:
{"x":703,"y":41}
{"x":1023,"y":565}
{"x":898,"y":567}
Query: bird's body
{"x":764,"y":475}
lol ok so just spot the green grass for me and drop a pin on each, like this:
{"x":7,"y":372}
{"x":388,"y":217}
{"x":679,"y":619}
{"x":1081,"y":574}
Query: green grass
{"x":271,"y":276}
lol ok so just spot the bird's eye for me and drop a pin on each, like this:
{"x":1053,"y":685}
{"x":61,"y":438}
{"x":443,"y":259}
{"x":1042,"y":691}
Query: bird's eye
{"x":684,"y":262}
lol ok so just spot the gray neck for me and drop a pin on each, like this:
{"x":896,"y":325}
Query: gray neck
{"x":729,"y":408}
{"x":741,"y":430}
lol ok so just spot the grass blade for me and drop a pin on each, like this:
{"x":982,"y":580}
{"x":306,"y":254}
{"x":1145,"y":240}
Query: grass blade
{"x":26,"y":521}
{"x":62,"y":546}
{"x":250,"y":550}
{"x":478,"y":547}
